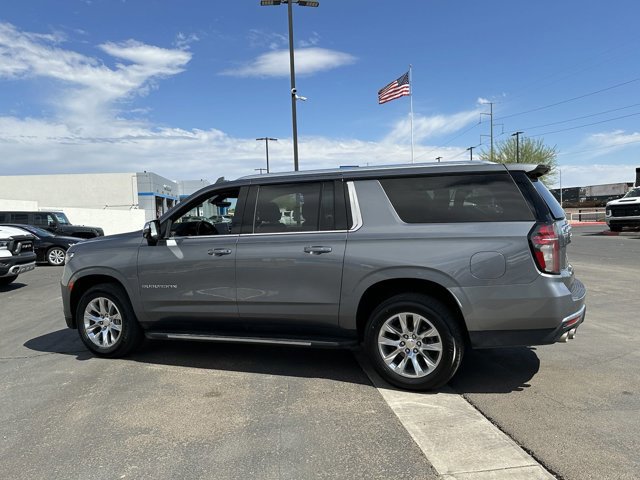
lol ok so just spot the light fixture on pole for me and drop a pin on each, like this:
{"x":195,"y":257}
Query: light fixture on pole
{"x":266,"y":146}
{"x":294,"y":96}
{"x":470,"y":150}
{"x":517,"y":135}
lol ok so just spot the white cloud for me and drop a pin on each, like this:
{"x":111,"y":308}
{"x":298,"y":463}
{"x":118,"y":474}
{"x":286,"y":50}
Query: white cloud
{"x":89,"y":89}
{"x":607,"y":142}
{"x":595,"y":174}
{"x":427,"y":127}
{"x":183,"y":41}
{"x":54,"y":147}
{"x":307,"y":61}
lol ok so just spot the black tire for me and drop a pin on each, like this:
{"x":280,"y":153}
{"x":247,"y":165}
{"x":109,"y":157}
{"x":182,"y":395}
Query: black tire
{"x":615,"y":228}
{"x":54,"y":254}
{"x":130,"y":335}
{"x":7,"y":280}
{"x":444,"y":333}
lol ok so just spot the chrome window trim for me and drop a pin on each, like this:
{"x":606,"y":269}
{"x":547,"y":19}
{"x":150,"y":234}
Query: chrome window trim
{"x":356,"y":216}
{"x":312,"y":232}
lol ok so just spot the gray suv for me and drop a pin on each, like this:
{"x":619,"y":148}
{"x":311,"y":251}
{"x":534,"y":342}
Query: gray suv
{"x":415,"y":263}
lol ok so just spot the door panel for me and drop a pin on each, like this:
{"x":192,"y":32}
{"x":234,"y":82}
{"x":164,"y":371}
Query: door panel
{"x":279,"y":283}
{"x":188,"y":283}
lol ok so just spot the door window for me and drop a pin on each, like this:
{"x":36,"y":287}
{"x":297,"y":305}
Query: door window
{"x":211,"y":215}
{"x":299,"y":207}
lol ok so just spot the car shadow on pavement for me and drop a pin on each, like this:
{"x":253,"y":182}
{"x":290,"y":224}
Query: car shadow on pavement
{"x":64,"y":341}
{"x":497,"y":370}
{"x":12,"y":286}
{"x":338,"y":365}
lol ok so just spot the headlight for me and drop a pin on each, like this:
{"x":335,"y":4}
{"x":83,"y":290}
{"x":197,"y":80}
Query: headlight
{"x":4,"y":244}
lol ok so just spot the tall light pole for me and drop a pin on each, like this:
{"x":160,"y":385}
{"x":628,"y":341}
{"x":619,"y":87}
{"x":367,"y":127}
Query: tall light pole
{"x":517,"y":135}
{"x":266,"y":146}
{"x":302,"y":3}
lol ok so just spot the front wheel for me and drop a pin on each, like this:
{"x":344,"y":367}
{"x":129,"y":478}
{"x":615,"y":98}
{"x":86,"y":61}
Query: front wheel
{"x":55,"y":256}
{"x":106,"y":322}
{"x":414,"y":342}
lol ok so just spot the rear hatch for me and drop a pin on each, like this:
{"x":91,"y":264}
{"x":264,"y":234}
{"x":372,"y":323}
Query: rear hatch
{"x":551,"y":235}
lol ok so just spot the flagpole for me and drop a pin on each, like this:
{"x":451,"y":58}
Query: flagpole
{"x":411,"y":106}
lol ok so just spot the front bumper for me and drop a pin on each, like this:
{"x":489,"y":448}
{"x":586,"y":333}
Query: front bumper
{"x":10,"y":267}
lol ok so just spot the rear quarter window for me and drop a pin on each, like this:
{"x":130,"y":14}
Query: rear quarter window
{"x":554,"y":207}
{"x":457,"y":198}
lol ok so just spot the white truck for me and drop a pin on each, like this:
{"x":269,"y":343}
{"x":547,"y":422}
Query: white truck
{"x":16,"y":254}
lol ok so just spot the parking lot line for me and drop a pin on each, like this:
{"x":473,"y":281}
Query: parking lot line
{"x":456,"y":438}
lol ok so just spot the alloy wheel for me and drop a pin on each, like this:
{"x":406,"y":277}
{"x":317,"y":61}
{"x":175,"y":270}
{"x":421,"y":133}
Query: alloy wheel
{"x":409,"y":345}
{"x":102,"y":322}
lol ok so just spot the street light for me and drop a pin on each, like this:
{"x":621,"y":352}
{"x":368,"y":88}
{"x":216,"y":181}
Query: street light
{"x":470,"y":150}
{"x":266,"y":145}
{"x":294,"y":96}
{"x":517,"y":135}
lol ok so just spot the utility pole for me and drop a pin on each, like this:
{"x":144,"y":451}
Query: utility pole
{"x":438,"y":158}
{"x":517,"y":135}
{"x":491,"y":135}
{"x":266,"y":146}
{"x":470,"y":149}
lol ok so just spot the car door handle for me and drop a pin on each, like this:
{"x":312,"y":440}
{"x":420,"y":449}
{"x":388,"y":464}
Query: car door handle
{"x":218,"y":252}
{"x":316,"y":250}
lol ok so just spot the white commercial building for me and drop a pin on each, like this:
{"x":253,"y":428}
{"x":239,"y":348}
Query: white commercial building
{"x":116,"y":202}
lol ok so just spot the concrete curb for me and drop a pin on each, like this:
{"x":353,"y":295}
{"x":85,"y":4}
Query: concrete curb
{"x":456,"y":438}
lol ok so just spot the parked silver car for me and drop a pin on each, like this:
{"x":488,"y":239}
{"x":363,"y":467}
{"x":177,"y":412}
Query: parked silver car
{"x":414,"y":263}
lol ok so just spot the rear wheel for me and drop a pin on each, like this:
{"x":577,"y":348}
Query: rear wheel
{"x":7,"y":280}
{"x":414,"y":342}
{"x":55,"y":256}
{"x":106,"y":322}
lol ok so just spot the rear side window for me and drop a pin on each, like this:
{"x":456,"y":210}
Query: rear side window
{"x":457,"y":198}
{"x":549,"y":199}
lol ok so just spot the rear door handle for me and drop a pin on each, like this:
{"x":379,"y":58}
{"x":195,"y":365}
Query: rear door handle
{"x":317,"y":250}
{"x":218,"y":252}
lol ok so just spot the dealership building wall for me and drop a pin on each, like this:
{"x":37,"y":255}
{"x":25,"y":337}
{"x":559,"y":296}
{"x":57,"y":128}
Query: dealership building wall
{"x":116,"y":202}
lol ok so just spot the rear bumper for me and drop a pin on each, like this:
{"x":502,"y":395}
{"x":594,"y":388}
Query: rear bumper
{"x":536,"y":314}
{"x":544,"y":336}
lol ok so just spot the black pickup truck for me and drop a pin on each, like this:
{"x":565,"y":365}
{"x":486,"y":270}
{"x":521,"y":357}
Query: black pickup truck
{"x":55,"y":222}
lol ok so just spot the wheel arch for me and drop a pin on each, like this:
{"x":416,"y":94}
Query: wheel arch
{"x":385,"y":289}
{"x":83,"y":284}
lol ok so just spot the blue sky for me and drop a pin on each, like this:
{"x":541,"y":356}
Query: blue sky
{"x":183,"y":88}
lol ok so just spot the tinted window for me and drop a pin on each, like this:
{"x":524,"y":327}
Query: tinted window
{"x":20,"y":217}
{"x":300,"y":207}
{"x":550,"y":200}
{"x":41,"y":219}
{"x":457,"y":198}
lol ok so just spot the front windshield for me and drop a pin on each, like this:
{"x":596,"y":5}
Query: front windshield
{"x":634,"y":192}
{"x":62,"y":218}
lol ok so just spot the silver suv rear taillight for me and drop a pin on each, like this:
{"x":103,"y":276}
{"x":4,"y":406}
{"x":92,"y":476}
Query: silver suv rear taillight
{"x":545,"y":245}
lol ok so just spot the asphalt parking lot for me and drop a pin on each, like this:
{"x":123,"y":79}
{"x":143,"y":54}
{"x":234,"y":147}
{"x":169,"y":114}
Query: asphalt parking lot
{"x":191,"y":410}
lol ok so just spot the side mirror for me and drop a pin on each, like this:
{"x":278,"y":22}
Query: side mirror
{"x":151,"y":232}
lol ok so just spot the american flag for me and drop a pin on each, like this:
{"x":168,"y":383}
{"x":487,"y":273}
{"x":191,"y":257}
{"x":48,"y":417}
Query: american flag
{"x":396,"y":89}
